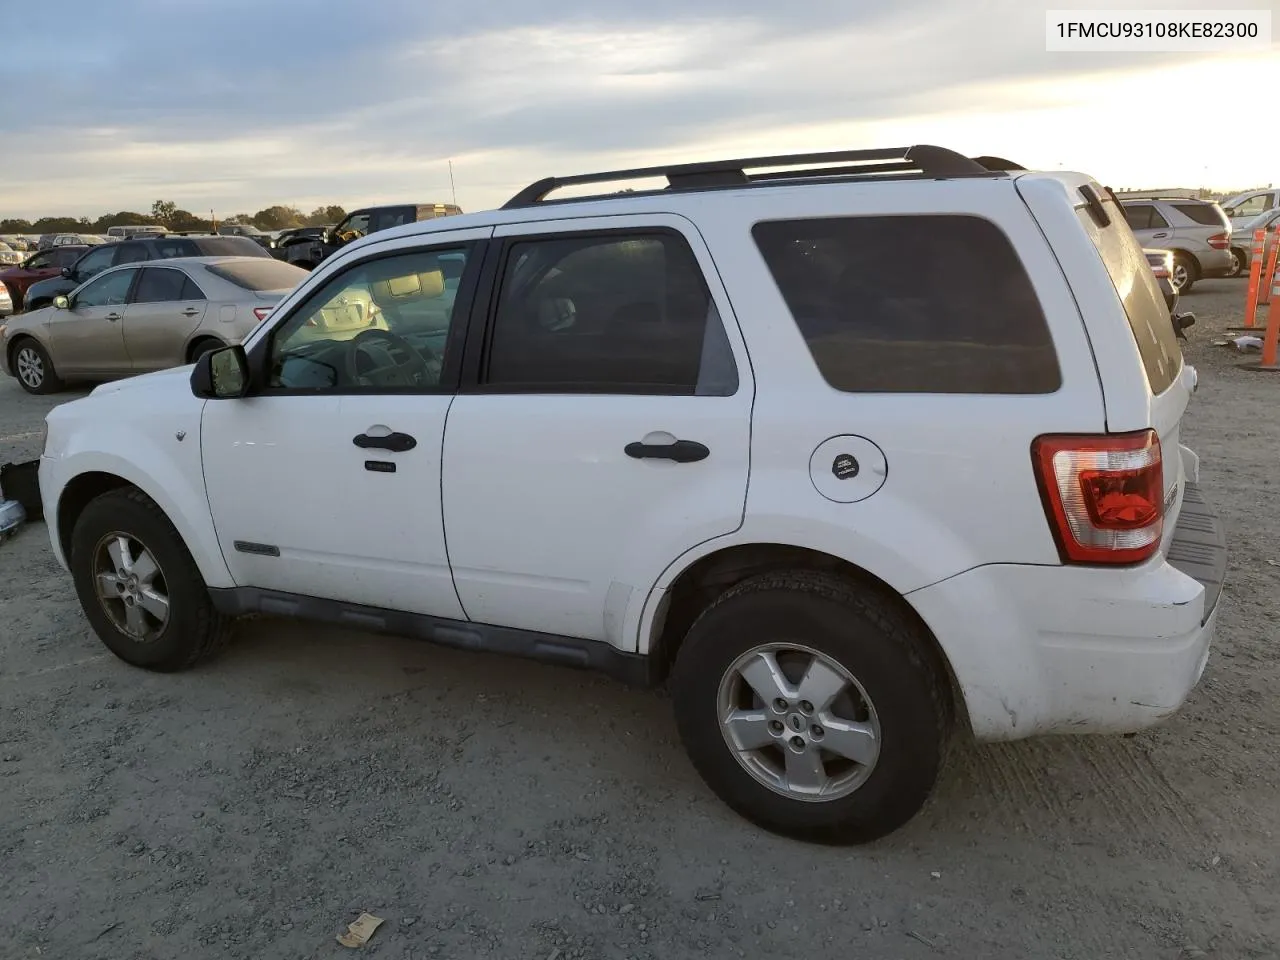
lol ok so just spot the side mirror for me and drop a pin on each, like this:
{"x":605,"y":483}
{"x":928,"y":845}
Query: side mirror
{"x":221,"y":374}
{"x":66,"y":272}
{"x":61,"y":302}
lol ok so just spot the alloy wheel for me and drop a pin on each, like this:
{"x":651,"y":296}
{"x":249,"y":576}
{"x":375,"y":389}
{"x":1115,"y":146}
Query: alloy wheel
{"x":798,"y":722}
{"x":131,"y":587}
{"x":30,"y":367}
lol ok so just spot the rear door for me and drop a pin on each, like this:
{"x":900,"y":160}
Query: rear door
{"x":603,"y":424}
{"x":165,"y":309}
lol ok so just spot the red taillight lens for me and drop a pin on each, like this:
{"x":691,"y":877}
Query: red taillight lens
{"x":1220,"y":241}
{"x":261,"y":313}
{"x":1104,"y":495}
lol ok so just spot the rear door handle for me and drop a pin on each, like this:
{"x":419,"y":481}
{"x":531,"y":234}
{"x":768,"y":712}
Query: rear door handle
{"x":395,"y":442}
{"x":113,"y":316}
{"x":1159,"y":236}
{"x":189,"y":312}
{"x":681,"y":451}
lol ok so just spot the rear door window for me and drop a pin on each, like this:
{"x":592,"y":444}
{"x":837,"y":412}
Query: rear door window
{"x":912,"y":304}
{"x":1137,"y":289}
{"x":1210,"y":215}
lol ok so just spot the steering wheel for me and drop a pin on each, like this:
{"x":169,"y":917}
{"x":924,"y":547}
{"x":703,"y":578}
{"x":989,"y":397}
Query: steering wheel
{"x":393,"y":363}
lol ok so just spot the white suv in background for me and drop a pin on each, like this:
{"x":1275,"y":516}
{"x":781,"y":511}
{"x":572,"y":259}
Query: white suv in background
{"x":856,"y":449}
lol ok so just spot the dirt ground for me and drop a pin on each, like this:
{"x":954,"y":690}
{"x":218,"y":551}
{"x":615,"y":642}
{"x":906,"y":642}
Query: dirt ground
{"x":492,"y":808}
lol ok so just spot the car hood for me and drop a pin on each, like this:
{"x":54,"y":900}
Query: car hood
{"x":159,"y":380}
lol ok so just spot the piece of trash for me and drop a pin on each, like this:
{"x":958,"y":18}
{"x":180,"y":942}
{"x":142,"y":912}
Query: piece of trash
{"x":1247,"y":343}
{"x":936,"y":874}
{"x":1274,"y":563}
{"x":1216,"y":860}
{"x":360,"y":930}
{"x":706,"y":896}
{"x":11,"y":516}
{"x":922,"y":938}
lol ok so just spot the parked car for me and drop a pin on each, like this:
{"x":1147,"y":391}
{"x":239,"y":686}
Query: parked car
{"x":136,"y":319}
{"x":9,"y":256}
{"x":1197,"y":231}
{"x":1161,"y":262}
{"x":37,"y":267}
{"x":848,"y":500}
{"x":6,"y":301}
{"x":133,"y":251}
{"x":127,"y":232}
{"x":283,"y":238}
{"x":1242,"y":238}
{"x":307,"y":252}
{"x":1246,"y":206}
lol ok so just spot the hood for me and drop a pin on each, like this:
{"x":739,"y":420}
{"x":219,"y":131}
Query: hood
{"x":157,"y":380}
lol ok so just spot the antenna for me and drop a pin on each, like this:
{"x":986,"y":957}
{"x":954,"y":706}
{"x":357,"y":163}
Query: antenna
{"x":452,"y":189}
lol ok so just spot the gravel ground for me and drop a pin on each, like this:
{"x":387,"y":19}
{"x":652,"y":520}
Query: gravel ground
{"x":491,"y":808}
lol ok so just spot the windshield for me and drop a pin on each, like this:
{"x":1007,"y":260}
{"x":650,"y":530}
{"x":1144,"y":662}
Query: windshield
{"x":1139,"y":292}
{"x":259,"y":274}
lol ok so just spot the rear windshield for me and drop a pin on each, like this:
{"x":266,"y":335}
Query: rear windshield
{"x":229,"y":247}
{"x":259,"y":274}
{"x":1136,"y":286}
{"x":1210,"y":214}
{"x":912,"y":304}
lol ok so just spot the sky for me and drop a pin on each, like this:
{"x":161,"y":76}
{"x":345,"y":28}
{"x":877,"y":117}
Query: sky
{"x":234,"y":105}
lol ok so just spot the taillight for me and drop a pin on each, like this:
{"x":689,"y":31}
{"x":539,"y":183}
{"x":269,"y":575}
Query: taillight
{"x":261,"y":313}
{"x":1104,"y":495}
{"x":1220,"y":241}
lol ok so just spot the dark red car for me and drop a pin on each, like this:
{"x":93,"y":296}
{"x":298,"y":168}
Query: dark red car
{"x":40,"y":266}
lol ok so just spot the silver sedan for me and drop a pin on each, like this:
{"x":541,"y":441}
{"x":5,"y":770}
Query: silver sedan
{"x":141,"y":317}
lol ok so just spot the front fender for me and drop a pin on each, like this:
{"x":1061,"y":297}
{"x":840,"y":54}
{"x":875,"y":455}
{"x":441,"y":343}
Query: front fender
{"x":166,"y":469}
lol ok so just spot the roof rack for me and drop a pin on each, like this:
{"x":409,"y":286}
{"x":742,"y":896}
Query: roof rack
{"x":921,"y":160}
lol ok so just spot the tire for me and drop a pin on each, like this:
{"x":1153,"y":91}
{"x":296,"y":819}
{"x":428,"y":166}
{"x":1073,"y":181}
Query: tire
{"x":1237,"y":262}
{"x":1186,"y":268}
{"x":33,"y":368}
{"x":191,"y":630}
{"x":201,"y":347}
{"x":898,"y":692}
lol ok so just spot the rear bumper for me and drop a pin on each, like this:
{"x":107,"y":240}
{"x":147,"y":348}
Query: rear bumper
{"x":1082,"y":649}
{"x":1215,"y":263}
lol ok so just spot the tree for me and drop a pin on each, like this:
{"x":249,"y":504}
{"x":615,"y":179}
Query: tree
{"x":186,"y":220}
{"x":16,"y":226}
{"x":56,"y":225}
{"x":124,"y":218}
{"x":326,"y":215}
{"x":278,"y":218}
{"x":163,"y":211}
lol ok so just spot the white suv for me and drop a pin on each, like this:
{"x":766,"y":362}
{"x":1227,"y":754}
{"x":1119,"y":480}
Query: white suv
{"x":857,"y":449}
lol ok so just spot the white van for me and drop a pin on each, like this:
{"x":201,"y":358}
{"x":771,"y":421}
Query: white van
{"x":126,"y":233}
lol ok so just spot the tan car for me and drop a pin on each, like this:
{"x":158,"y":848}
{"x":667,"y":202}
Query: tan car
{"x":141,"y":317}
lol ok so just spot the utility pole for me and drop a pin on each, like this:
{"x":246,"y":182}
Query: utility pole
{"x":452,"y":189}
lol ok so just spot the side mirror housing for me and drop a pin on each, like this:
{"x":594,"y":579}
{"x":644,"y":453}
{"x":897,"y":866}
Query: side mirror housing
{"x":66,"y":272}
{"x":61,"y":301}
{"x":221,"y":374}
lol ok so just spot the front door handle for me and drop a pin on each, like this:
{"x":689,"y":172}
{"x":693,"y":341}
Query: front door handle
{"x":395,"y":442}
{"x":189,"y":312}
{"x":681,"y":451}
{"x":113,"y":316}
{"x":1159,"y":236}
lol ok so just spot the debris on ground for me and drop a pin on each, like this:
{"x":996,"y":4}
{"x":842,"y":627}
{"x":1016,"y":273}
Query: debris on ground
{"x":11,"y":516}
{"x":360,"y":930}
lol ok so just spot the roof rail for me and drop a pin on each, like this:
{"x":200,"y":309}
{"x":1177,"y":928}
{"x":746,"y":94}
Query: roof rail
{"x":998,"y":163}
{"x":921,"y":160}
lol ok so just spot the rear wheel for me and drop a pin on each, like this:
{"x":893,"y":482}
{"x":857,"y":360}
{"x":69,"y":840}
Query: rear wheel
{"x":33,"y":368}
{"x":138,"y":585}
{"x":1184,"y":273}
{"x":1237,"y":262}
{"x":812,"y":707}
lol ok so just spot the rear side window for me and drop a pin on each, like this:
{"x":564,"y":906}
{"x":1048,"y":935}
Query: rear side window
{"x":1208,"y":214}
{"x":1136,"y":286}
{"x":227,"y":247}
{"x":159,"y":286}
{"x":912,"y":304}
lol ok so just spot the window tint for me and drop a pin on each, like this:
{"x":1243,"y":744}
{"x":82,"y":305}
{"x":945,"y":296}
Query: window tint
{"x":615,"y":313}
{"x":1208,"y":214}
{"x":190,"y":291}
{"x":259,"y":274}
{"x":42,"y":260}
{"x":381,"y":324}
{"x":1252,"y":206}
{"x":171,"y":247}
{"x":1158,"y":219}
{"x":1138,"y":215}
{"x":106,"y":291}
{"x":65,"y":257}
{"x":1144,"y":305}
{"x":159,"y":286}
{"x":132,"y":253}
{"x":225,"y":247}
{"x":912,"y":304}
{"x":398,"y":216}
{"x":94,"y":262}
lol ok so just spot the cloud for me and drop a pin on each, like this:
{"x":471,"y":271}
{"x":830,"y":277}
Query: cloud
{"x":240,"y":103}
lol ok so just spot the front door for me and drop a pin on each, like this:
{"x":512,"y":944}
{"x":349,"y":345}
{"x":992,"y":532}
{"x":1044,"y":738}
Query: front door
{"x":326,"y":482}
{"x":165,"y":309}
{"x":607,"y":430}
{"x":88,"y":336}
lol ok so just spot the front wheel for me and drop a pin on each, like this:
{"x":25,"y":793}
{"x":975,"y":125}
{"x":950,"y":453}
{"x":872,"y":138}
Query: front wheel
{"x":138,"y":585}
{"x":812,"y":707}
{"x":33,"y":368}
